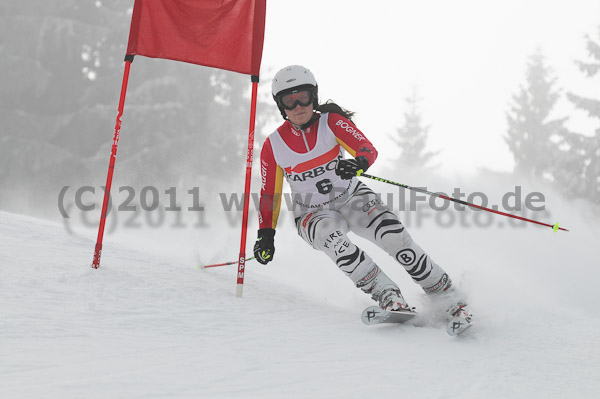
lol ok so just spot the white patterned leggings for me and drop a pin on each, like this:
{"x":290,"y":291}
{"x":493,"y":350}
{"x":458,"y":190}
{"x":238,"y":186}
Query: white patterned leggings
{"x":367,"y":216}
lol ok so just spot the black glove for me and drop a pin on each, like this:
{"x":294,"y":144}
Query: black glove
{"x":264,"y":249}
{"x":347,"y":168}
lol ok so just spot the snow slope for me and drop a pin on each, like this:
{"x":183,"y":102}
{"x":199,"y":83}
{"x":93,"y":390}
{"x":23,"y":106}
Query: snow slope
{"x":154,"y":326}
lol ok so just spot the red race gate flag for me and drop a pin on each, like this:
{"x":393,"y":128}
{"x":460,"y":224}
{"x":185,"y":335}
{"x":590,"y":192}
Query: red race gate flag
{"x":225,"y":34}
{"x":216,"y":33}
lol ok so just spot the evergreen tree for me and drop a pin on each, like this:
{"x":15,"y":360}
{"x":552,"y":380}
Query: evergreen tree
{"x":46,"y":48}
{"x":532,"y":132}
{"x":411,"y":139}
{"x":62,"y":67}
{"x":584,"y":177}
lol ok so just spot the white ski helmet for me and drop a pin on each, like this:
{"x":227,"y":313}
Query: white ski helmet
{"x":290,"y":78}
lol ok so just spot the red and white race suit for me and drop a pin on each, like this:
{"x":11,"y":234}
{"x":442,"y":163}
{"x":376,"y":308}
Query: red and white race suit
{"x":307,"y":159}
{"x":327,"y":207}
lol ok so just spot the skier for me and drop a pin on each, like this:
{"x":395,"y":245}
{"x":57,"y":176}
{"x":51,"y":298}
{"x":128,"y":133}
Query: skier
{"x":329,"y":201}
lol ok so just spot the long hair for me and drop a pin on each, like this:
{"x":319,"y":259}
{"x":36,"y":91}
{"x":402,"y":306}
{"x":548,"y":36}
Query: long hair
{"x":330,"y":106}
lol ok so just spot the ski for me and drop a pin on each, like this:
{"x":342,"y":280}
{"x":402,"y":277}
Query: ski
{"x":376,"y":315}
{"x":460,"y":319}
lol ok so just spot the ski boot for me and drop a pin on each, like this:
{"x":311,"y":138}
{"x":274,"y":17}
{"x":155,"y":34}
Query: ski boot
{"x":392,"y":299}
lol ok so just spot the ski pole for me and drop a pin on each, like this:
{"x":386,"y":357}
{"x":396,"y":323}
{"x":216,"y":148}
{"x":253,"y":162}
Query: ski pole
{"x":554,"y":227}
{"x":223,"y":264}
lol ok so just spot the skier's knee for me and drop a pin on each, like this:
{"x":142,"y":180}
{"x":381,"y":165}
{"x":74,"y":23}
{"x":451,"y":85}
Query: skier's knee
{"x":395,"y":243}
{"x":327,"y":232}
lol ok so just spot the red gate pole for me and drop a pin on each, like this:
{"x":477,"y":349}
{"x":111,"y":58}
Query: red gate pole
{"x":242,"y":257}
{"x":111,"y":165}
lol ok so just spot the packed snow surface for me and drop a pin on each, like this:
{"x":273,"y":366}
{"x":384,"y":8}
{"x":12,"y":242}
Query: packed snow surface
{"x":150,"y":324}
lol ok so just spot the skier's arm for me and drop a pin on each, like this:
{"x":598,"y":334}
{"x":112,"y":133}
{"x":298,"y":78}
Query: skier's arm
{"x":352,"y":139}
{"x":270,"y":201}
{"x":270,"y":191}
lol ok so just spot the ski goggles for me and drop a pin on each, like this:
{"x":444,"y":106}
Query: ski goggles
{"x":291,"y":100}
